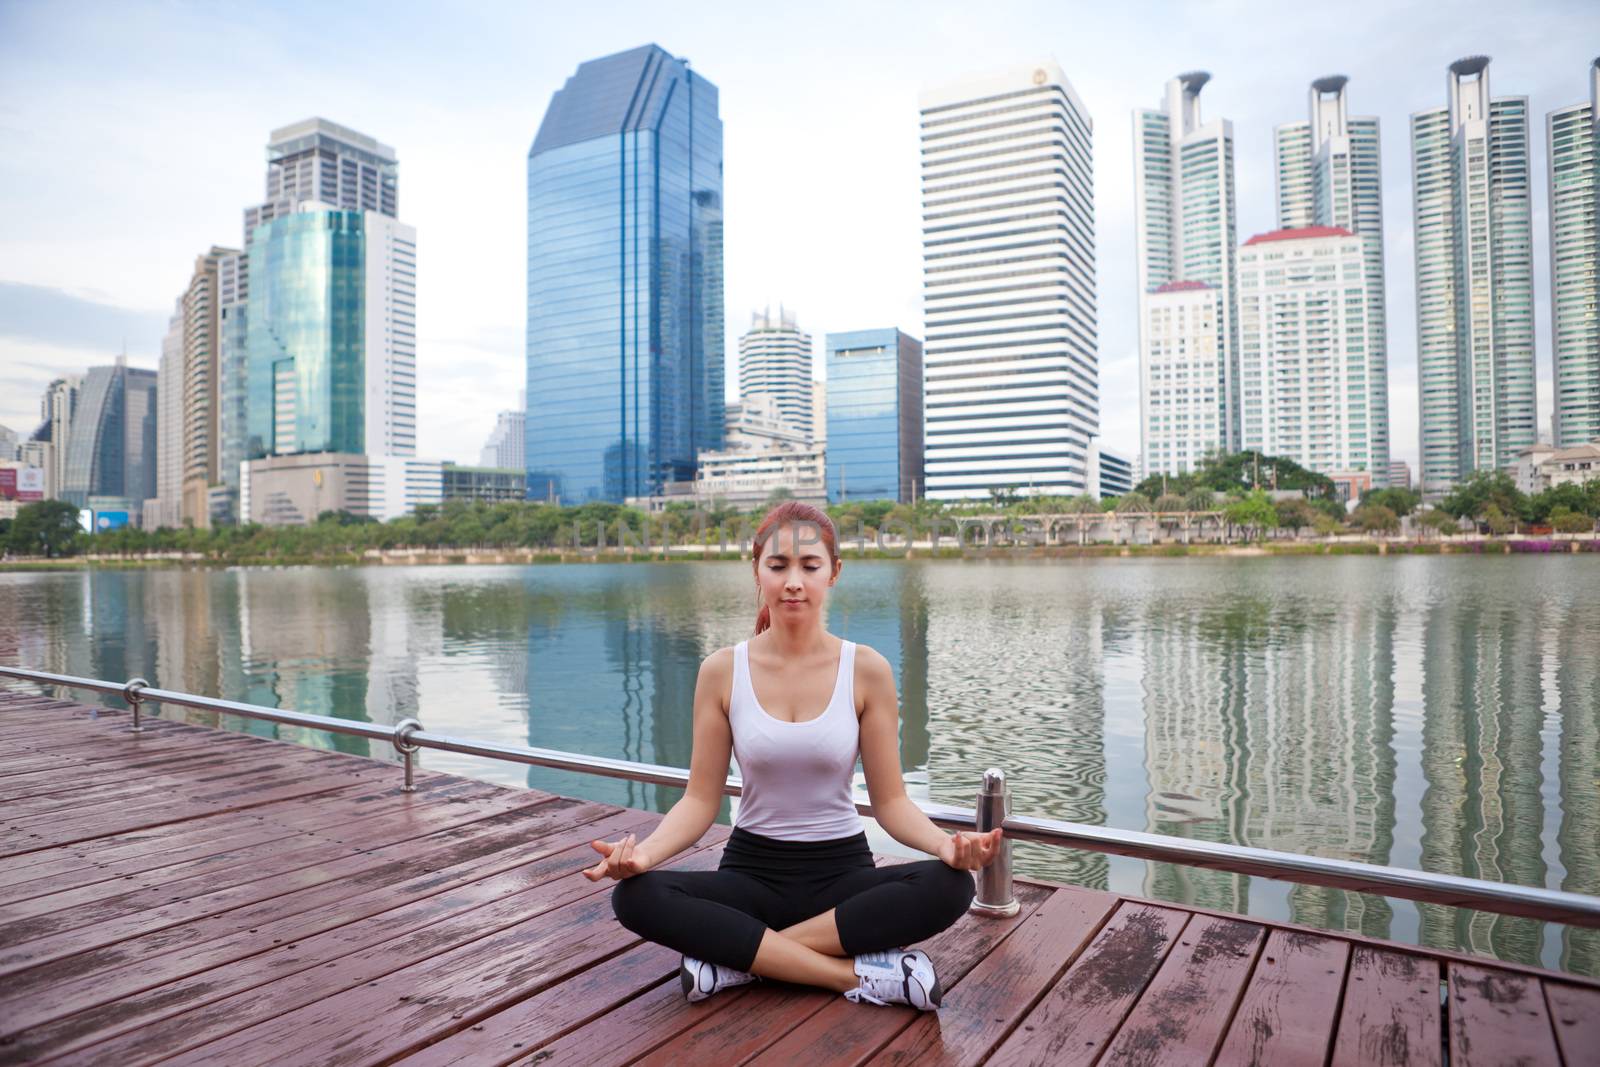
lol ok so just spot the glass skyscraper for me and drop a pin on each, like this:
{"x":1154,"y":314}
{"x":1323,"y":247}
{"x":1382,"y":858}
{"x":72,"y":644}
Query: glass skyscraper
{"x":1329,"y":173}
{"x":332,"y":335}
{"x":1574,"y":143}
{"x":625,"y":312}
{"x":111,"y":446}
{"x":1474,"y":254}
{"x":874,"y":416}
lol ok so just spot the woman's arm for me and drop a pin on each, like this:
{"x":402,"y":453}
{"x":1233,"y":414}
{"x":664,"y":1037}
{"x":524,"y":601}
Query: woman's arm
{"x":886,"y":786}
{"x":696,"y":810}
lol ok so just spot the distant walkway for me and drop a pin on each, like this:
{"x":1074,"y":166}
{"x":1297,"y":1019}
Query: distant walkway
{"x":213,"y":897}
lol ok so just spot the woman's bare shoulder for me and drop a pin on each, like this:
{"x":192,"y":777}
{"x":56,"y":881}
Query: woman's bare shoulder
{"x":719,"y":664}
{"x":871,"y":664}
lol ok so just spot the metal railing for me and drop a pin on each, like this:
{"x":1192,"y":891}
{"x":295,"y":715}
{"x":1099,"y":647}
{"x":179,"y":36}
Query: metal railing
{"x":994,"y":885}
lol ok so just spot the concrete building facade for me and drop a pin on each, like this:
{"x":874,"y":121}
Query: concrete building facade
{"x":1330,"y":173}
{"x":1186,"y":240}
{"x":777,"y":359}
{"x":1303,"y":331}
{"x":1472,"y":195}
{"x":1011,"y":353}
{"x":1573,"y":143}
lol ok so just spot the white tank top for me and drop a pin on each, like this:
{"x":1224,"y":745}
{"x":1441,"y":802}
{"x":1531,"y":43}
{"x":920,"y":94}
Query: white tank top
{"x":796,"y":774}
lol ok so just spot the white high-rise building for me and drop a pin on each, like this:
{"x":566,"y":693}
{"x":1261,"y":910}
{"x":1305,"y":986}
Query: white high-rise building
{"x":1303,"y":330}
{"x":776,"y":359}
{"x":1329,"y":173}
{"x":1474,"y":252}
{"x":1012,"y":382}
{"x":1574,"y":154}
{"x":506,"y":446}
{"x":166,"y":507}
{"x":1186,"y":233}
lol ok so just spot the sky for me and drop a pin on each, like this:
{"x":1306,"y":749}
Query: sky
{"x":133,"y":134}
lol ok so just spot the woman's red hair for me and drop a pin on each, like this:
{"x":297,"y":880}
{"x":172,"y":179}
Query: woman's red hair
{"x":790,"y":511}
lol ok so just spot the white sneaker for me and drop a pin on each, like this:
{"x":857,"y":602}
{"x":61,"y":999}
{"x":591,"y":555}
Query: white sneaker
{"x":701,"y":979}
{"x":899,"y":977}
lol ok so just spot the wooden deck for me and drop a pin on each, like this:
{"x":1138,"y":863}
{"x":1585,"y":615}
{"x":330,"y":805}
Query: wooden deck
{"x":198,"y":896}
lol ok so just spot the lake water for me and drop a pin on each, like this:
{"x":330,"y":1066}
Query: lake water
{"x":1432,"y":712}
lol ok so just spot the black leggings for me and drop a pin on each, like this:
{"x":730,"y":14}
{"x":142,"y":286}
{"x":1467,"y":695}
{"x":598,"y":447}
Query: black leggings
{"x":763,"y":883}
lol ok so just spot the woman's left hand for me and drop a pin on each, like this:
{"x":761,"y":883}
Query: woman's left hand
{"x":968,"y":850}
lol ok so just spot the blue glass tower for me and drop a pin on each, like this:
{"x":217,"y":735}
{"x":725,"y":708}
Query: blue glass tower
{"x":305,"y":335}
{"x":625,"y":315}
{"x":874,"y":416}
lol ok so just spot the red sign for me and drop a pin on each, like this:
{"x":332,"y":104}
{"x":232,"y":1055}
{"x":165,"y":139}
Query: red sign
{"x":8,"y":483}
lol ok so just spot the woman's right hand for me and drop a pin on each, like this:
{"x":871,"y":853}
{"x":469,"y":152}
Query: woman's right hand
{"x":620,"y":859}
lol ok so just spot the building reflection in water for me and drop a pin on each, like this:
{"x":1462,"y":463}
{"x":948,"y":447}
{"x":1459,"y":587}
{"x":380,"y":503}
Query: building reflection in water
{"x":1439,"y":713}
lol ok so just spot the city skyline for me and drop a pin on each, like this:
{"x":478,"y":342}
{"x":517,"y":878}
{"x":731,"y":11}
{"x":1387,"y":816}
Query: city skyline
{"x":75,"y":286}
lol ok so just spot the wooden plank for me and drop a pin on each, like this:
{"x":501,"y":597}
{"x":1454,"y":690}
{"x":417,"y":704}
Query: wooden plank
{"x":304,"y":932}
{"x":1390,"y":1014}
{"x":141,"y":786}
{"x":1077,"y":1018}
{"x":981,"y":1011}
{"x":242,"y":857}
{"x":519,"y":1028}
{"x":748,"y":1023}
{"x":1184,"y":1012}
{"x":68,"y":933}
{"x":1575,"y":1016}
{"x":452,"y":972}
{"x":34,"y":840}
{"x":153,"y":839}
{"x":1290,"y":1007}
{"x":1498,"y":1018}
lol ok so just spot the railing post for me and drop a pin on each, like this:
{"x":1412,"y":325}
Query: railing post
{"x":994,"y":897}
{"x":130,"y":693}
{"x":402,"y":743}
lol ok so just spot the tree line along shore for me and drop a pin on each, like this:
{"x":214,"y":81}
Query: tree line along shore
{"x":1243,"y":501}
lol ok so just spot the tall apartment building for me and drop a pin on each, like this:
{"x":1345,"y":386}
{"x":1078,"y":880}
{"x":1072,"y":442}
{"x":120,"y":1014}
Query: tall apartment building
{"x":332,"y":335}
{"x":166,"y":507}
{"x":1186,"y":236}
{"x":777,"y":359}
{"x":57,"y":407}
{"x":1303,"y":335}
{"x":1574,"y":154}
{"x":202,"y":381}
{"x":625,"y":314}
{"x":506,"y":443}
{"x":1474,"y":251}
{"x":1011,"y":367}
{"x":1330,"y":173}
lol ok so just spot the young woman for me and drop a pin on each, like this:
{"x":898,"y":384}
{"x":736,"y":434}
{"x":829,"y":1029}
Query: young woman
{"x":797,"y":897}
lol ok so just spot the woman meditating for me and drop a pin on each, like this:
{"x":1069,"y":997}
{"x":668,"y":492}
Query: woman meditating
{"x":797,"y":897}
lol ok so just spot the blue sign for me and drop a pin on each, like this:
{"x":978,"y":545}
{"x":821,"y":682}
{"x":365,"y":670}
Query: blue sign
{"x":110,"y":520}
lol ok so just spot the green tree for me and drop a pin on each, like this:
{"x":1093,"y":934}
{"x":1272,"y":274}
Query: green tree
{"x":1376,"y":518}
{"x":1575,"y":498}
{"x":1565,"y":520}
{"x":1130,"y":502}
{"x":1400,"y":501}
{"x":1295,"y":515}
{"x":1483,"y":489}
{"x":1200,"y":498}
{"x":1254,"y":512}
{"x":1170,"y":502}
{"x":1498,"y":521}
{"x":48,"y":528}
{"x":1439,"y":521}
